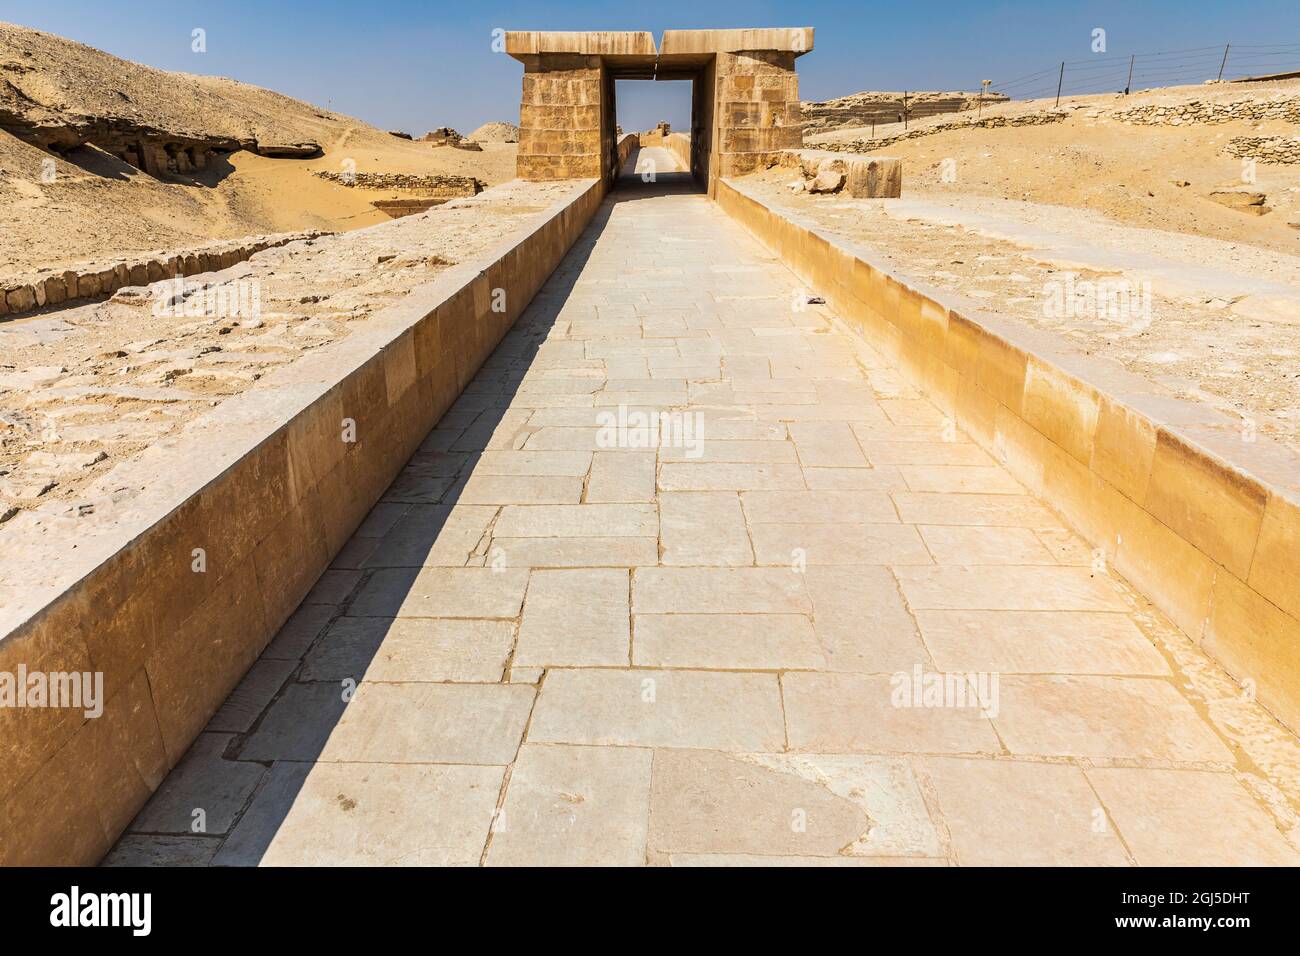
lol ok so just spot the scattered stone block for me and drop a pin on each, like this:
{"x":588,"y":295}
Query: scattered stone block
{"x":1242,"y":200}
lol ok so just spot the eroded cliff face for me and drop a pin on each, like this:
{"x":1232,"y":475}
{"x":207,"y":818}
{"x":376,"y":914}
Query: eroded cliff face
{"x":864,"y":109}
{"x":59,"y":95}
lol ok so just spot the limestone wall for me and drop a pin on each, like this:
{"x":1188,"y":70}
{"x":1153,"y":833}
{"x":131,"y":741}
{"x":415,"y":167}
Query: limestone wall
{"x":627,"y":144}
{"x":560,"y":118}
{"x":269,"y":485}
{"x":436,"y":185}
{"x":987,"y":122}
{"x":1205,"y":524}
{"x":863,"y":109}
{"x":1266,"y":149}
{"x":758,"y":112}
{"x":1212,"y":111}
{"x":679,"y":144}
{"x":86,"y":281}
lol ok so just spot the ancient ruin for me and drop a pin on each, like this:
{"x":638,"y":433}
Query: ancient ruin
{"x":692,"y":498}
{"x":744,"y":100}
{"x":865,"y":109}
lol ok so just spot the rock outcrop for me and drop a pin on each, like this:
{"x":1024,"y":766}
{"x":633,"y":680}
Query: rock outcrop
{"x":303,"y":150}
{"x":58,"y":95}
{"x":1242,"y":200}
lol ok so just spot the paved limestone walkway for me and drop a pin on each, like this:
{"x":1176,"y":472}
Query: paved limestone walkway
{"x":562,"y":640}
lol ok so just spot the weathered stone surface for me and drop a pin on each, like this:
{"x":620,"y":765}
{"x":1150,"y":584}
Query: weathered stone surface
{"x":575,"y":618}
{"x":402,"y":649}
{"x":441,"y":592}
{"x":659,"y":709}
{"x":366,"y":815}
{"x":844,"y":713}
{"x":755,"y":765}
{"x":1004,"y":813}
{"x":1097,"y":717}
{"x":205,"y":793}
{"x":154,"y":850}
{"x":1190,"y":818}
{"x":574,"y":806}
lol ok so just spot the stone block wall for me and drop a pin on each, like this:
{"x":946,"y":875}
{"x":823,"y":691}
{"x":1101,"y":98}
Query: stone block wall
{"x":758,"y":112}
{"x":1266,"y":149}
{"x":1212,"y":111}
{"x":86,"y":281}
{"x":987,"y":122}
{"x":1203,"y":524}
{"x":680,"y":146}
{"x":562,"y":118}
{"x":448,"y":186}
{"x":265,"y":485}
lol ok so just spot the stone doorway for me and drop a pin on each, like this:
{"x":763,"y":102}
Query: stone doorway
{"x":745,"y":97}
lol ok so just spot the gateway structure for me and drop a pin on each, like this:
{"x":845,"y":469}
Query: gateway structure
{"x":744,"y":102}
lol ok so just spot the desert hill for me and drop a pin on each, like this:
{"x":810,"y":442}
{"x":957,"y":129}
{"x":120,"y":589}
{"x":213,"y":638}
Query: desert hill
{"x":1159,"y":159}
{"x":81,"y":196}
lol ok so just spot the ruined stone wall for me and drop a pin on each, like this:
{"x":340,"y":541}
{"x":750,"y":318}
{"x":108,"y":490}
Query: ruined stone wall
{"x":1210,"y":111}
{"x":863,"y":109}
{"x":987,"y":122}
{"x":758,"y":113}
{"x":1266,"y":149}
{"x":561,"y":118}
{"x":25,"y":293}
{"x":437,"y":185}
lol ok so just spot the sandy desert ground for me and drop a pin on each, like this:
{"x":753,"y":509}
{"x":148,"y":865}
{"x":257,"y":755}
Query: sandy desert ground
{"x":1006,"y":215}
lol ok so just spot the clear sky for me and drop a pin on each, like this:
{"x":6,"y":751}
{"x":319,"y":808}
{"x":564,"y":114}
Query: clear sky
{"x":408,"y":65}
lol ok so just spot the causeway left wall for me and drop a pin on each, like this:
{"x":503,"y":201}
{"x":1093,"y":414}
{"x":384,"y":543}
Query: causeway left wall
{"x":267,"y":487}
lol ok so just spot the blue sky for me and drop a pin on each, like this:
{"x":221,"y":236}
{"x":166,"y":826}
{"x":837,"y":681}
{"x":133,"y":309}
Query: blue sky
{"x":415,"y":66}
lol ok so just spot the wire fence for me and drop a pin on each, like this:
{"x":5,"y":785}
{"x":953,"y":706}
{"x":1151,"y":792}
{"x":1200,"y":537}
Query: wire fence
{"x":1129,"y":72}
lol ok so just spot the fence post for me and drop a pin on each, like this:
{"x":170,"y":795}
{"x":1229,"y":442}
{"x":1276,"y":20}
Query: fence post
{"x":1060,"y":80}
{"x":1128,"y":84}
{"x":1226,"y":48}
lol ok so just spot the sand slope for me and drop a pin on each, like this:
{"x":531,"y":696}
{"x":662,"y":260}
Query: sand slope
{"x":1130,"y":173}
{"x":96,"y":203}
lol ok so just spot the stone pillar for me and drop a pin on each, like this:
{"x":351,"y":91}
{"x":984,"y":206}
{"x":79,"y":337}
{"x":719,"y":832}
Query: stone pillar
{"x":757,"y":111}
{"x":561,"y":117}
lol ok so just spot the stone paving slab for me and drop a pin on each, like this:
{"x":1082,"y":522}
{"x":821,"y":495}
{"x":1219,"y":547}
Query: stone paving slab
{"x":800,"y":621}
